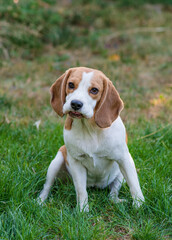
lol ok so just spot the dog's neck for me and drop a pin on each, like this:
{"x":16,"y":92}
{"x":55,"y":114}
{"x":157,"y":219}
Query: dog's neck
{"x":85,"y":125}
{"x":88,"y":131}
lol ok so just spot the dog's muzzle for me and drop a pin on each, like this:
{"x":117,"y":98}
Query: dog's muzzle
{"x":76,"y":105}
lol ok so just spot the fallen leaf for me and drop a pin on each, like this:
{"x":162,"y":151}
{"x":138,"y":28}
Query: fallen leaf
{"x":37,"y":123}
{"x":114,"y":57}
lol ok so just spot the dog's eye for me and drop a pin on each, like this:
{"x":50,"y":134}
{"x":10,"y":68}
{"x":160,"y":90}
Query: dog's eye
{"x":94,"y":91}
{"x":71,"y":85}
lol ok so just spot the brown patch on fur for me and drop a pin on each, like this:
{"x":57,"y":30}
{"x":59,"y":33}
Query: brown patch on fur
{"x":109,"y":106}
{"x":75,"y":81}
{"x":68,"y":123}
{"x":96,"y":82}
{"x":57,"y":91}
{"x":75,"y":78}
{"x":64,"y":152}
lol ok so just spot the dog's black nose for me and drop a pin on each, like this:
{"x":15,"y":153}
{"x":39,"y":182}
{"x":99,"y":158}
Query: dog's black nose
{"x":76,"y":105}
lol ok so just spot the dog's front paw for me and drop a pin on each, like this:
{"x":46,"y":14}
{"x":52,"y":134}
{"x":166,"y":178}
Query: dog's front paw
{"x":116,"y":199}
{"x":137,"y":202}
{"x":42,"y":197}
{"x":39,"y":201}
{"x":84,"y":208}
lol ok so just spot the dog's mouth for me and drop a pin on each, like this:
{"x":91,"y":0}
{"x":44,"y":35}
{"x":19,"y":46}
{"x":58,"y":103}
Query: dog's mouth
{"x":75,"y":115}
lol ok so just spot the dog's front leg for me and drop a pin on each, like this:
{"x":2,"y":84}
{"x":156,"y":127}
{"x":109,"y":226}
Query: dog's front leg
{"x":52,"y":172}
{"x":128,"y":170}
{"x":79,"y":176}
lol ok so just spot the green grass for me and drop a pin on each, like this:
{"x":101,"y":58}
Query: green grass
{"x":39,"y":40}
{"x":25,"y":156}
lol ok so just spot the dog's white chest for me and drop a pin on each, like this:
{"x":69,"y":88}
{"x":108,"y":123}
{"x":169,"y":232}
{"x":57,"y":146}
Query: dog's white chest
{"x":89,"y":149}
{"x":81,"y":138}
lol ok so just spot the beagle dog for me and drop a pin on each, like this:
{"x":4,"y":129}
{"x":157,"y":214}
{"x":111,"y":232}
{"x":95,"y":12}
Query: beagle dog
{"x":95,"y":151}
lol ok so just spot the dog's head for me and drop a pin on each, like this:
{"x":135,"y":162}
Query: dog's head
{"x":86,"y":93}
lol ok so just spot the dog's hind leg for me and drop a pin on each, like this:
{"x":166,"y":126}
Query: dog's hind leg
{"x":57,"y":163}
{"x":115,"y":187}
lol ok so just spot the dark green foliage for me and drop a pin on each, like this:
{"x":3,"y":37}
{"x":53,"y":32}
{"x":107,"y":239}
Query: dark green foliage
{"x":139,"y":3}
{"x":31,"y":24}
{"x":4,"y":102}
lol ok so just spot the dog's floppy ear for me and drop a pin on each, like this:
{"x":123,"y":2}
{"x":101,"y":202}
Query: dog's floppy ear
{"x":109,"y":106}
{"x":58,"y":93}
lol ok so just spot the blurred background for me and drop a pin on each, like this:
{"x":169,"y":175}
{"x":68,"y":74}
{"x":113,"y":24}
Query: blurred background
{"x":130,"y":41}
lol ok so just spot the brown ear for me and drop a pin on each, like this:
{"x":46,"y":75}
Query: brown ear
{"x":58,"y":93}
{"x":109,"y":107}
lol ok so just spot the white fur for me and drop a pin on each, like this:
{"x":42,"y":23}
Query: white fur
{"x":81,"y":94}
{"x":97,"y":157}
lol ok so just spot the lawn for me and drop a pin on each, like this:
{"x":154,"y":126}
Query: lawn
{"x":131,"y":44}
